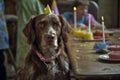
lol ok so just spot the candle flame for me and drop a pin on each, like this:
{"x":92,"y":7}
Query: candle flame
{"x":74,"y":8}
{"x":102,"y":18}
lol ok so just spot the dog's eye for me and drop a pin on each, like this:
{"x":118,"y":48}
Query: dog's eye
{"x":42,"y":24}
{"x":56,"y":24}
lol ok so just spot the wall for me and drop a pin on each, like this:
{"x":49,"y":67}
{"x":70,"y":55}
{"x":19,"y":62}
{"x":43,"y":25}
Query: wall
{"x":109,"y":9}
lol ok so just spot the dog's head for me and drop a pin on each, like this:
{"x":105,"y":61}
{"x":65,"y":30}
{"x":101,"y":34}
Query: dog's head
{"x":47,"y":31}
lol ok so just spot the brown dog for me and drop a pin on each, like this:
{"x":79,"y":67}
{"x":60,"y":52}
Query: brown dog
{"x":47,"y":59}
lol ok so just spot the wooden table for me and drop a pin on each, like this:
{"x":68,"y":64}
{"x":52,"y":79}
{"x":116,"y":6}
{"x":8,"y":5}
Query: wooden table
{"x":86,"y":65}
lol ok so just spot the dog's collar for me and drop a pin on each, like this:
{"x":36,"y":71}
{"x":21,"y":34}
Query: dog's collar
{"x":42,"y":58}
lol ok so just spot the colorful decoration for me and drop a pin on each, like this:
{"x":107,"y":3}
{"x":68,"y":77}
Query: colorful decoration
{"x":54,"y":8}
{"x":47,"y":10}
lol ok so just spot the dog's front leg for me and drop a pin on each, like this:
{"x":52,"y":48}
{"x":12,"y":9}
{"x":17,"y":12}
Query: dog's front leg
{"x":64,"y":67}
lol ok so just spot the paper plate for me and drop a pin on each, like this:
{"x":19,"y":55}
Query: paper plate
{"x":106,"y":57}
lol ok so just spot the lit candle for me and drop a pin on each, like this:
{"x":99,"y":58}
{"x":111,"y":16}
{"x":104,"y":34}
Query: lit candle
{"x":89,"y":23}
{"x":103,"y":27}
{"x":75,"y":17}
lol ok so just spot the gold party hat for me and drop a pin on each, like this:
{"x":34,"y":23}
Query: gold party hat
{"x":47,"y":10}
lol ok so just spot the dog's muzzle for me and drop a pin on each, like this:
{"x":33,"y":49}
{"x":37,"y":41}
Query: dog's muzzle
{"x":49,"y":38}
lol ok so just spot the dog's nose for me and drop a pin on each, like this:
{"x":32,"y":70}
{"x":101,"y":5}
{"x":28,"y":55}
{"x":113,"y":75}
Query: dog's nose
{"x":49,"y":37}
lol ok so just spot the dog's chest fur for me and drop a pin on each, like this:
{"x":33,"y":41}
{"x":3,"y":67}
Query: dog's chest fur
{"x":49,"y":71}
{"x":52,"y":72}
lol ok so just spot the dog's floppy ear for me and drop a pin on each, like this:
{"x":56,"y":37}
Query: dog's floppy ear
{"x":29,"y":30}
{"x":66,"y":28}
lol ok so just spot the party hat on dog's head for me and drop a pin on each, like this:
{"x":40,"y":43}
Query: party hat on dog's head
{"x":47,"y":10}
{"x":54,"y":7}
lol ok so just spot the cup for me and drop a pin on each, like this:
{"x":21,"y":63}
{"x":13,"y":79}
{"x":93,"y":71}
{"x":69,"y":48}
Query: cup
{"x":114,"y":55}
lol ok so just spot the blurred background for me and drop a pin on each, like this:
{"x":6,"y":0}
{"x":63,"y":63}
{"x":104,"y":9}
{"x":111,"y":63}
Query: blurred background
{"x":108,"y":8}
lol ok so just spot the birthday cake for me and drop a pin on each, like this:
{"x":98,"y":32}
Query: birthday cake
{"x":98,"y":35}
{"x":100,"y":46}
{"x":82,"y":34}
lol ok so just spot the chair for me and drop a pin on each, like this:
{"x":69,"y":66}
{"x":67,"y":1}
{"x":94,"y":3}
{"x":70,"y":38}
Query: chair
{"x":11,"y":51}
